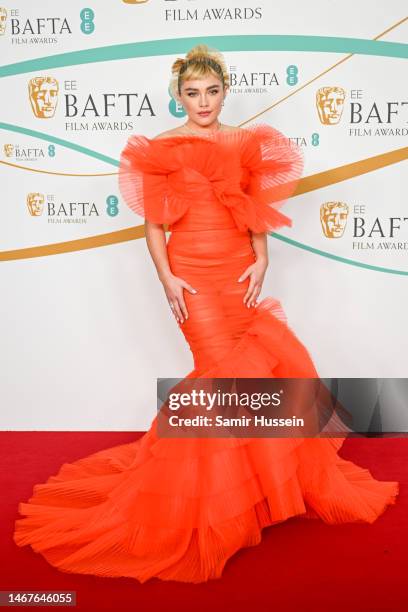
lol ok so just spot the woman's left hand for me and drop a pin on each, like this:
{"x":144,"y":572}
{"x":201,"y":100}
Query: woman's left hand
{"x":256,"y":273}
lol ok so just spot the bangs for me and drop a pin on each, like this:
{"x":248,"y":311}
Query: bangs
{"x":199,"y":71}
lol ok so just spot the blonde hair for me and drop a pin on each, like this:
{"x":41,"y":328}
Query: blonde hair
{"x":199,"y":62}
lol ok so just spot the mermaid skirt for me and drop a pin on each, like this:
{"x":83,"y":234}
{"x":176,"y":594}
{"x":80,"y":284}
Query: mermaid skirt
{"x":178,"y":509}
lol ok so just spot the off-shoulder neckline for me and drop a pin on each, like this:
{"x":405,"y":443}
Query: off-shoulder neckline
{"x":214,"y":136}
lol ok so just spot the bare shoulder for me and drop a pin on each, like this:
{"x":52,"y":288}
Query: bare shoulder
{"x":178,"y":132}
{"x":231,"y":128}
{"x":166,"y":134}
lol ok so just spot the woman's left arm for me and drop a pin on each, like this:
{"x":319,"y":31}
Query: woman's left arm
{"x":256,"y":271}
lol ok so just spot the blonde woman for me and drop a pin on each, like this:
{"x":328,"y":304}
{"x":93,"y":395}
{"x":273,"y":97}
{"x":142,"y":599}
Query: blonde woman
{"x":178,"y":509}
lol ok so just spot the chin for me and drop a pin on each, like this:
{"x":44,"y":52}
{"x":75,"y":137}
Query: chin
{"x":206,"y":120}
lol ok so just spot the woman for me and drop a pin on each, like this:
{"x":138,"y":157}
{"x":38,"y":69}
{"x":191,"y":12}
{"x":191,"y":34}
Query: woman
{"x":180,"y":508}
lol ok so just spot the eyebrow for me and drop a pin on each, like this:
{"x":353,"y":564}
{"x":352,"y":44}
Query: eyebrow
{"x":195,"y":89}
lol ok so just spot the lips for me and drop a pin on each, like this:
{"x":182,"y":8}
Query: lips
{"x":204,"y":114}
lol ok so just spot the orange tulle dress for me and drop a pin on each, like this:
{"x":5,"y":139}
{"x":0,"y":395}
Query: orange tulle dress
{"x":178,"y":509}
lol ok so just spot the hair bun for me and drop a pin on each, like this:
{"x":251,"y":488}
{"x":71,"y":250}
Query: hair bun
{"x":177,"y":64}
{"x":200,"y":54}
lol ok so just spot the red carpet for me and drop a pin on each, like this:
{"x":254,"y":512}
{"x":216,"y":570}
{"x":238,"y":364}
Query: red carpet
{"x":300,"y":564}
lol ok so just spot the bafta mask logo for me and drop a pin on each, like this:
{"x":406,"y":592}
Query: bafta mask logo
{"x":43,"y":92}
{"x":330,"y":104}
{"x":8,"y":150}
{"x":333,"y":217}
{"x":35,"y":204}
{"x":3,"y":20}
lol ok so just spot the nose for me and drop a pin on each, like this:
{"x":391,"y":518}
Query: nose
{"x":203,"y":100}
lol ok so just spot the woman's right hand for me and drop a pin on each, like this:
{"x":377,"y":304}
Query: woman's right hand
{"x":173,"y":287}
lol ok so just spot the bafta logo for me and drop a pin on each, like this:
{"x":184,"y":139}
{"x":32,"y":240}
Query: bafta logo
{"x":333,"y":217}
{"x":3,"y":20}
{"x":330,"y":103}
{"x":43,"y":92}
{"x":35,"y":204}
{"x":8,"y":150}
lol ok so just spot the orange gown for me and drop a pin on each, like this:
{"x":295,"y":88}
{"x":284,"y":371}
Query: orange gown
{"x":178,"y":509}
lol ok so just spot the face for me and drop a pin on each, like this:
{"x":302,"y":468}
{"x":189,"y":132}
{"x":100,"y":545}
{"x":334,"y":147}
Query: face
{"x":330,"y":104}
{"x":202,"y":100}
{"x":334,"y":220}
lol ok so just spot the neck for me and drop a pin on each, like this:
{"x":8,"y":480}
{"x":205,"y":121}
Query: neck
{"x":214,"y":127}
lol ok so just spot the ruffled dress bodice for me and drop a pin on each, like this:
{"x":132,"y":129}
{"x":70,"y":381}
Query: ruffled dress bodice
{"x":234,"y":178}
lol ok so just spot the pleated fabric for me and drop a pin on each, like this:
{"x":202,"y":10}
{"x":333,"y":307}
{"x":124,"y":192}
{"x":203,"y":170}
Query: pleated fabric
{"x":179,"y":508}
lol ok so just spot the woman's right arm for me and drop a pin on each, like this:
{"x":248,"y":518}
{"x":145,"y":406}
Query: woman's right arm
{"x":173,"y":285}
{"x":156,"y":243}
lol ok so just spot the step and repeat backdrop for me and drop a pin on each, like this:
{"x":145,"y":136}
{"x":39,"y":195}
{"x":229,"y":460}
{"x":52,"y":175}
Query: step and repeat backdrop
{"x":85,"y":325}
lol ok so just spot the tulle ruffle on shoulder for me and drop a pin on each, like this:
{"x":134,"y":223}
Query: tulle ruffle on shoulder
{"x":251,"y":171}
{"x":272,"y":166}
{"x":152,"y":180}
